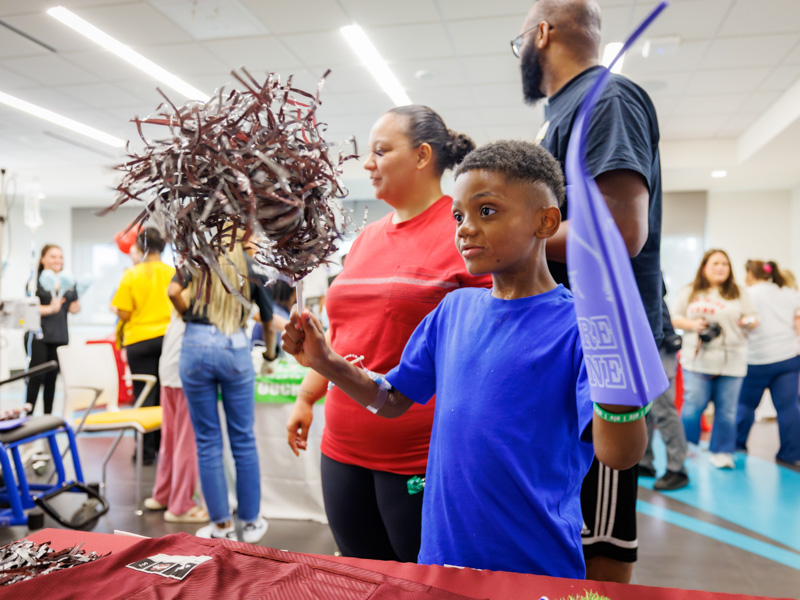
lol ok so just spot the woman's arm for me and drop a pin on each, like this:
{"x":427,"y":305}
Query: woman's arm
{"x":311,"y":390}
{"x":124,"y":315}
{"x":54,"y":307}
{"x":278,"y":323}
{"x":74,"y":307}
{"x":175,"y":293}
{"x":698,"y":324}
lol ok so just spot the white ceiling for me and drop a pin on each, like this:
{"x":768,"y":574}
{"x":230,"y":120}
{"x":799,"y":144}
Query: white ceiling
{"x":725,"y":94}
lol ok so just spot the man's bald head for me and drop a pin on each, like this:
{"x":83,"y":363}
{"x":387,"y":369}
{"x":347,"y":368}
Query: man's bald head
{"x":577,"y":23}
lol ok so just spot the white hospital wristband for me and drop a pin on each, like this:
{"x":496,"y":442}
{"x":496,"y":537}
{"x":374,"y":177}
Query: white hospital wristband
{"x":383,"y":392}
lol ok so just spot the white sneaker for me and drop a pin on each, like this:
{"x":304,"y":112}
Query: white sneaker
{"x":722,"y":460}
{"x":212,"y":531}
{"x":253,"y":532}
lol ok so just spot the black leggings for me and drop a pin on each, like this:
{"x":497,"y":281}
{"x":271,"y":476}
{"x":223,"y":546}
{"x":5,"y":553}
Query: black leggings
{"x":143,"y":359}
{"x":371,"y":513}
{"x":41,"y":352}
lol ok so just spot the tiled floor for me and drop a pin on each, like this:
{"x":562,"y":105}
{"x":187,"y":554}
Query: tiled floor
{"x":735,"y":532}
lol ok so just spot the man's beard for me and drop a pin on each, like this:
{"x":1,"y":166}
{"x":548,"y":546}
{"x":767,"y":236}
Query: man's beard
{"x":532,"y":76}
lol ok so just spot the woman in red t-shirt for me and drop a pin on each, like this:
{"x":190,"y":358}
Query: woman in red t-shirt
{"x":398,"y":270}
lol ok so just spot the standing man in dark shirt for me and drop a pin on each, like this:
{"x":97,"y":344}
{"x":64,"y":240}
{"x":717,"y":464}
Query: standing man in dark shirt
{"x":558,"y":48}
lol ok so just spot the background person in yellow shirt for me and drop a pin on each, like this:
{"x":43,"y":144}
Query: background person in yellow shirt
{"x":142,"y":303}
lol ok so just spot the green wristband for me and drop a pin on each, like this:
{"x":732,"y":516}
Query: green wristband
{"x":621,"y":417}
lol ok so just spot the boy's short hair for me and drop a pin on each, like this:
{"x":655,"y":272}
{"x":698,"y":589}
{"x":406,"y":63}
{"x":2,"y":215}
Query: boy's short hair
{"x":151,"y":241}
{"x":517,"y":160}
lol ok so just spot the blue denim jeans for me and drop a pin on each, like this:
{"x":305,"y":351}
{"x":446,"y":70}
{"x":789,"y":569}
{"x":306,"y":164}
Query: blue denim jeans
{"x":700,"y":389}
{"x":211,"y":364}
{"x":781,"y":379}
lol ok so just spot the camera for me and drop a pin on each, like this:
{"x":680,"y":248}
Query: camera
{"x":709,"y":333}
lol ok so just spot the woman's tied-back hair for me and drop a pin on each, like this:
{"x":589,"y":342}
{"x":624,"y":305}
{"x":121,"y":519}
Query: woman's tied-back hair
{"x":728,"y":290}
{"x":45,"y":249}
{"x":766,"y":271}
{"x":425,"y":126}
{"x":519,"y":161}
{"x":223,"y":309}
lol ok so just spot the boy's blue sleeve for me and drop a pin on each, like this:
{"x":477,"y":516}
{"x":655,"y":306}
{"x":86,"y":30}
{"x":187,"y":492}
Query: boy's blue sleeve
{"x":583,"y":399}
{"x":415,"y":376}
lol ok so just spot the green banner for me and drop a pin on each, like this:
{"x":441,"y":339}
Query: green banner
{"x":282,"y":385}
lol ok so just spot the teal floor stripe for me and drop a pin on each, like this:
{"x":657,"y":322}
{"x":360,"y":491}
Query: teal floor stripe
{"x":758,"y":495}
{"x":732,"y":538}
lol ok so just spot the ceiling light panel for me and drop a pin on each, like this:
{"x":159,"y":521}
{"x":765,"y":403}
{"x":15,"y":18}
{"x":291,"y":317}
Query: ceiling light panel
{"x":610,"y":52}
{"x":371,"y":58}
{"x":61,"y":120}
{"x":126,"y":53}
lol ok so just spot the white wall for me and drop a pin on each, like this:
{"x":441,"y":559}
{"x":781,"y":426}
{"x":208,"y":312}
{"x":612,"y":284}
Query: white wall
{"x":794,"y":227}
{"x":683,"y":233}
{"x":752,"y":225}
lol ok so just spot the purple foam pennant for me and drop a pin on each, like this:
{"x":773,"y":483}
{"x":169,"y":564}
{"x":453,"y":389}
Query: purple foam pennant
{"x":621,"y":356}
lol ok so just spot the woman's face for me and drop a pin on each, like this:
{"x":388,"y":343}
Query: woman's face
{"x":392,"y":162}
{"x":717,"y":269}
{"x":53,"y":259}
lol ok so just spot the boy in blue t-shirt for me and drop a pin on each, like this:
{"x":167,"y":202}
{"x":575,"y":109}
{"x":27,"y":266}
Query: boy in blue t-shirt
{"x":511,"y":439}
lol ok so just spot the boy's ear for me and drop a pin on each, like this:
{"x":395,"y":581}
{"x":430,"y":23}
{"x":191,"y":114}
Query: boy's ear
{"x":549,"y":222}
{"x":424,"y":155}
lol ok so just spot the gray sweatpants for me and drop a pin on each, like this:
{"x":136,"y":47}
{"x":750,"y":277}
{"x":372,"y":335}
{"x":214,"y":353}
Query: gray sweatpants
{"x":664,"y":416}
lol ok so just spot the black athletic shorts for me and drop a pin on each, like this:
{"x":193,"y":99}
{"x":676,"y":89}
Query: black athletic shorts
{"x":608,"y":501}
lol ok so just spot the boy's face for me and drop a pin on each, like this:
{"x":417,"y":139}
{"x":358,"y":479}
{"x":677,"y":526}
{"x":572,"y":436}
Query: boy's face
{"x":501,"y":224}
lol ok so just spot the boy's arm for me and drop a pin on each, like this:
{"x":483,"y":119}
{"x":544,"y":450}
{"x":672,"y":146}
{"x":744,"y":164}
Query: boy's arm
{"x":618,"y":445}
{"x":304,"y":339}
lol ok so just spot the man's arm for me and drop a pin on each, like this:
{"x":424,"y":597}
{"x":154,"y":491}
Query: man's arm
{"x":628,"y":199}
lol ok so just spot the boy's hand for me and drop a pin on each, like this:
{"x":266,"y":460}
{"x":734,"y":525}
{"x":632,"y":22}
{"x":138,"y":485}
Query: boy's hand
{"x":304,"y":338}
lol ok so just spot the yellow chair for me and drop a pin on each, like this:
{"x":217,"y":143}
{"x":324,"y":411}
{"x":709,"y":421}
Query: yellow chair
{"x":91,"y":383}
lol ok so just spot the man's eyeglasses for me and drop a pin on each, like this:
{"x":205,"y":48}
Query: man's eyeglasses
{"x":516,"y":43}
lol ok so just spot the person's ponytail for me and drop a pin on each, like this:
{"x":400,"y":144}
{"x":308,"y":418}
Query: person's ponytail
{"x":775,"y":274}
{"x":455,"y":149}
{"x":425,"y":126}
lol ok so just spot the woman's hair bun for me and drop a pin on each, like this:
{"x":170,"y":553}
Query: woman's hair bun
{"x":456,"y":148}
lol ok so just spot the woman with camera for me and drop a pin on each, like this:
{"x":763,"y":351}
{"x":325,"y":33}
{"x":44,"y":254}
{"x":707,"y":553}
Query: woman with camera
{"x":772,"y":360}
{"x":714,"y":314}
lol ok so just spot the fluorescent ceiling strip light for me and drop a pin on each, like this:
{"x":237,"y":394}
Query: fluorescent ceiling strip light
{"x":609,"y":52}
{"x":101,"y":38}
{"x":48,"y":115}
{"x":368,"y":54}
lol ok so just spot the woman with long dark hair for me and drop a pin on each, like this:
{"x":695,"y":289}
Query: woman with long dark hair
{"x":398,"y":270}
{"x":58,"y":298}
{"x":714,"y":314}
{"x":772,"y":360}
